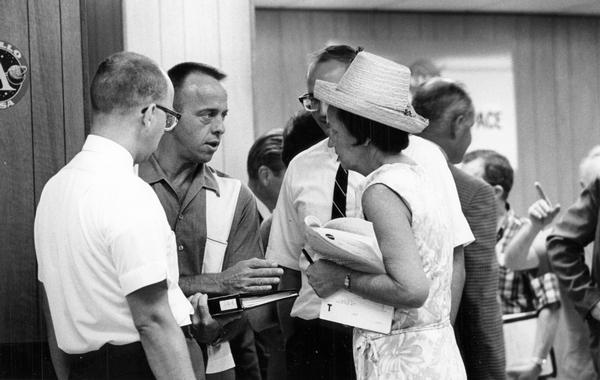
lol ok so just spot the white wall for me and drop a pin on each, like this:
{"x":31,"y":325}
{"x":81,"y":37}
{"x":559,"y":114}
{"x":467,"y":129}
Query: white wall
{"x":216,"y":32}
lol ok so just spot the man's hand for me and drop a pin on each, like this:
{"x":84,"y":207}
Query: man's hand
{"x":595,"y":312}
{"x":250,"y":276}
{"x":326,"y":277}
{"x":542,"y":212}
{"x":528,"y":371}
{"x":207,"y":329}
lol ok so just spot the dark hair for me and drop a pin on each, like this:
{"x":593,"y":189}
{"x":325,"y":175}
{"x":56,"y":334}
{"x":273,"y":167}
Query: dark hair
{"x":340,"y":53}
{"x":266,"y":150}
{"x":496,"y":168}
{"x":181,"y":71}
{"x":383,"y":137}
{"x":300,"y":133}
{"x":125,"y":80}
{"x":441,"y":100}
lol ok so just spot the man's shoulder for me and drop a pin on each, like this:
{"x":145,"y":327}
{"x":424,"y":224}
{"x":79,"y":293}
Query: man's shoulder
{"x":318,"y":152}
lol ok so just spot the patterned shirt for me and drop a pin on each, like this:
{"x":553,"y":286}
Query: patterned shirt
{"x":522,"y":291}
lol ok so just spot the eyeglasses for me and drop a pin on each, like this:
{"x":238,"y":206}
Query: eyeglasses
{"x":172,"y":117}
{"x":309,"y":102}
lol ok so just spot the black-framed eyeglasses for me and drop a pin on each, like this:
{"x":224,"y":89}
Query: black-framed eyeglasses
{"x":172,"y":117}
{"x":309,"y":102}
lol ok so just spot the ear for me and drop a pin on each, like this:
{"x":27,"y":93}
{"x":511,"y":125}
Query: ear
{"x":148,"y":115}
{"x":264,"y":175}
{"x":457,"y":126}
{"x":498,"y":191}
{"x":367,"y":142}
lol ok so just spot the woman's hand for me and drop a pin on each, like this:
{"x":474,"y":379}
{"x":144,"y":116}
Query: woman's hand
{"x":326,"y":277}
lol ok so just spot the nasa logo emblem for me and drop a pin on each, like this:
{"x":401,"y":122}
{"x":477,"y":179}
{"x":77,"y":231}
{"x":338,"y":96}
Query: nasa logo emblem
{"x":13,"y":75}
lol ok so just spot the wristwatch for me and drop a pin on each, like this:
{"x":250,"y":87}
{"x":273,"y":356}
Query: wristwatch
{"x":347,"y":282}
{"x":538,"y":361}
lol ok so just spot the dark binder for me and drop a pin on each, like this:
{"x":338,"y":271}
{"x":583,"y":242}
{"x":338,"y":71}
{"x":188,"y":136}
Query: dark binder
{"x":235,"y":303}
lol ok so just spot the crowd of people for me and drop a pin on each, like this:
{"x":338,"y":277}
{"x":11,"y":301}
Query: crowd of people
{"x":137,"y":231}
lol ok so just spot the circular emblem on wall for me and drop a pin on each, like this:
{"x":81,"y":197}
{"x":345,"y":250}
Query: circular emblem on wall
{"x":13,"y":75}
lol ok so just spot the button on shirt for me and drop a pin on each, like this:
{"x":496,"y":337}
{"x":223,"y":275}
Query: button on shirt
{"x":101,"y":234}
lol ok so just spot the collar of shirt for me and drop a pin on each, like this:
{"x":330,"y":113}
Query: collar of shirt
{"x":152,"y":172}
{"x":114,"y":151}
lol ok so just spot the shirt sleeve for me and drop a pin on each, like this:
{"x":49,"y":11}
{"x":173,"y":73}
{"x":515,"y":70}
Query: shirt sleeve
{"x":566,"y":246}
{"x":546,"y":290}
{"x":244,"y":237}
{"x":138,"y":240}
{"x":286,"y":238}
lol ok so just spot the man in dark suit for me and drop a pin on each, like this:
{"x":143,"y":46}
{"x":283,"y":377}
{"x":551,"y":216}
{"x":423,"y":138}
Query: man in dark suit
{"x":478,"y":324}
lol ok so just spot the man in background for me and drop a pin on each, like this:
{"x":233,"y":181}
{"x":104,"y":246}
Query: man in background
{"x":520,"y":291}
{"x":478,"y":324}
{"x":566,"y":248}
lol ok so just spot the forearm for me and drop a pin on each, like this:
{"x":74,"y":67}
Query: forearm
{"x":547,"y":323}
{"x":519,"y":254}
{"x":458,"y":281}
{"x":383,"y":289}
{"x":166,"y":350}
{"x":207,"y":283}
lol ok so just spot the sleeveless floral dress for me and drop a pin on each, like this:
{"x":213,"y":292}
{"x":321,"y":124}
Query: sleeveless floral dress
{"x":421,"y":344}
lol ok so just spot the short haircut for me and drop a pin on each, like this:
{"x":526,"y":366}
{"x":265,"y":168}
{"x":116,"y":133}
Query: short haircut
{"x":266,"y":151}
{"x":126,"y":80}
{"x":441,"y":100}
{"x":341,"y":53}
{"x":497,"y":170}
{"x":300,"y":133}
{"x":383,"y":137}
{"x":181,"y":71}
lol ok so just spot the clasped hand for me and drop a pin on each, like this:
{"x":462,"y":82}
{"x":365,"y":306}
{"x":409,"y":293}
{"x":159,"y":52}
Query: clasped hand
{"x":326,"y":277}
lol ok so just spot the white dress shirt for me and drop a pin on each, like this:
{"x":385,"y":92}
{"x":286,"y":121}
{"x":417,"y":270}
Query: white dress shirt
{"x":101,"y":234}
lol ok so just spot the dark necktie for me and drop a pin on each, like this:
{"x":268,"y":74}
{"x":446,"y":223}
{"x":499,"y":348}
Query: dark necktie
{"x":338,"y":209}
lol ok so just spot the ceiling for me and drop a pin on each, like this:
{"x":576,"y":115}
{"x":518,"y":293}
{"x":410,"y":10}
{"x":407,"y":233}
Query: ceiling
{"x":569,"y":7}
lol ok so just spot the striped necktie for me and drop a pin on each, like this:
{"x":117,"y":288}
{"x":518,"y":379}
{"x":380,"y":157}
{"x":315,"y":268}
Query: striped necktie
{"x":338,"y":209}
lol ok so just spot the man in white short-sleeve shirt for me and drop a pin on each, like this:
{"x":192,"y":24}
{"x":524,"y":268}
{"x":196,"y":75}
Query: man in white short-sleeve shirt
{"x":318,"y":349}
{"x":106,"y":254}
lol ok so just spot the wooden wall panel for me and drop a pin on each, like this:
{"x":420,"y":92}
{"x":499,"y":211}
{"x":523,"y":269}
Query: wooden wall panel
{"x":33,"y":147}
{"x":556,"y":73}
{"x":74,"y":88}
{"x":18,"y":319}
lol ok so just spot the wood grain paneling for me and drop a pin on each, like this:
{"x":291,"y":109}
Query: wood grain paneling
{"x":39,"y":134}
{"x":18,"y":319}
{"x":556,"y":73}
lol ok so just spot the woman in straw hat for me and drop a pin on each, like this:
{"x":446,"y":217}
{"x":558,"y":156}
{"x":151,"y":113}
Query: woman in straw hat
{"x":370,"y":118}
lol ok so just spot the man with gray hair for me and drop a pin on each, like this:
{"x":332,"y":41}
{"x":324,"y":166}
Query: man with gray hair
{"x":106,"y":255}
{"x":478,"y":324}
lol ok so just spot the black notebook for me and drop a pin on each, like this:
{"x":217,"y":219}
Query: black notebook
{"x":239,"y":302}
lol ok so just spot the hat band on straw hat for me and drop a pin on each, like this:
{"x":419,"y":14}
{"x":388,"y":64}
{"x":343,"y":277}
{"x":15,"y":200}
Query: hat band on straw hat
{"x":405,"y":119}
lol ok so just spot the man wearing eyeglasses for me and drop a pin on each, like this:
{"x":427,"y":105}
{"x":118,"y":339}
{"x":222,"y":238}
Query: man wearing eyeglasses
{"x":214,"y":217}
{"x":315,"y":349}
{"x":106,"y":254}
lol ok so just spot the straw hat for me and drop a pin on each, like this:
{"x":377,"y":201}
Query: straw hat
{"x":375,"y":88}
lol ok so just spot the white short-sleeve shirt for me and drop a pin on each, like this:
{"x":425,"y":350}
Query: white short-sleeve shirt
{"x":434,"y":162}
{"x":307,"y":189}
{"x":101,"y":234}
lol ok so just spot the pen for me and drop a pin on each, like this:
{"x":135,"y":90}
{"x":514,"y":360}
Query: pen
{"x":310,"y":260}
